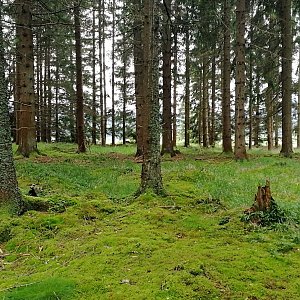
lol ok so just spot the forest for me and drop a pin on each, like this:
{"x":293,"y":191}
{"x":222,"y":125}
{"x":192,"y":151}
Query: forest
{"x":149,"y":149}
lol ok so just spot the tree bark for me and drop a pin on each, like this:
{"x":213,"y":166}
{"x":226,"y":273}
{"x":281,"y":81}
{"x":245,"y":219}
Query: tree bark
{"x":113,"y":129}
{"x":10,"y":195}
{"x":151,"y":169}
{"x":138,"y":73}
{"x":175,"y":78}
{"x":286,"y":75}
{"x":226,"y":136}
{"x":94,"y":102}
{"x":205,"y":103}
{"x":298,"y":104}
{"x":187,"y":90}
{"x":79,"y":88}
{"x":27,"y":133}
{"x":167,"y":144}
{"x":212,"y":132}
{"x":240,"y":147}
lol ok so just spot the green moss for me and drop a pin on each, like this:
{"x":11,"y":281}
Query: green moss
{"x":189,"y":245}
{"x":51,"y":288}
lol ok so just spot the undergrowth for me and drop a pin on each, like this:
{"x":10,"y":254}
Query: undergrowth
{"x":94,"y":240}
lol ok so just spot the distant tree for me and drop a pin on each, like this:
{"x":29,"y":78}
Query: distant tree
{"x":26,"y":115}
{"x":10,"y":195}
{"x":240,"y":144}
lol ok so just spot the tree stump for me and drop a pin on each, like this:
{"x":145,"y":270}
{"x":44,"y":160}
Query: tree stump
{"x":264,"y":210}
{"x":263,"y":199}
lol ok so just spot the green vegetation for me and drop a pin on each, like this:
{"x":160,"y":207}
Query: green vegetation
{"x":96,"y":241}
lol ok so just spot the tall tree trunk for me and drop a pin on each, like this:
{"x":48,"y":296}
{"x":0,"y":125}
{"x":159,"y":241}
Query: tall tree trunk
{"x":298,"y":105}
{"x":102,"y":116}
{"x":138,"y":73}
{"x":104,"y":76}
{"x":38,"y":88}
{"x":113,"y":118}
{"x":187,"y":90}
{"x":124,"y":89}
{"x":287,"y":42}
{"x":269,"y":96}
{"x":44,"y":98}
{"x":205,"y":103}
{"x":27,"y":134}
{"x":94,"y":109}
{"x":276,"y":123}
{"x":226,"y":137}
{"x":49,"y":95}
{"x":151,"y":168}
{"x":250,"y":91}
{"x":240,"y":144}
{"x":79,"y":88}
{"x":175,"y":78}
{"x":213,"y":102}
{"x":10,"y":195}
{"x":200,"y":108}
{"x":167,"y":144}
{"x":57,"y":71}
{"x":257,"y":110}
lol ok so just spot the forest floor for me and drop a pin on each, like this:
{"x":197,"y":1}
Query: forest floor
{"x":96,"y":241}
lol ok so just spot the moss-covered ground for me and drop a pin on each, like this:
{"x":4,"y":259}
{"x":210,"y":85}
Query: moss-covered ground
{"x":99,"y":242}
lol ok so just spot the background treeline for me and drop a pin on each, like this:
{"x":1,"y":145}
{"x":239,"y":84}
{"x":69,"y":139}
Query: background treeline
{"x":74,"y":71}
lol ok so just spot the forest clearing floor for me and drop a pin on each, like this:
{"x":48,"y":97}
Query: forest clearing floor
{"x":96,"y":241}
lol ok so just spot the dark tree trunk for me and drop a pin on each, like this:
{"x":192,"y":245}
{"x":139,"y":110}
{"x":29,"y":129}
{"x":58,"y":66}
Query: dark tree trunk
{"x":138,"y":73}
{"x":113,"y":129}
{"x":240,"y":144}
{"x":212,"y":132}
{"x":286,"y":75}
{"x":187,"y":90}
{"x":10,"y":195}
{"x":151,"y":169}
{"x":226,"y":137}
{"x":79,"y":88}
{"x":49,"y":96}
{"x":27,"y":133}
{"x":94,"y":109}
{"x":167,"y":144}
{"x":175,"y":78}
{"x":205,"y":103}
{"x":57,"y":71}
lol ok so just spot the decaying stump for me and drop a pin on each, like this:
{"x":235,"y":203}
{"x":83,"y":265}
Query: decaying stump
{"x":264,"y":210}
{"x":263,"y":199}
